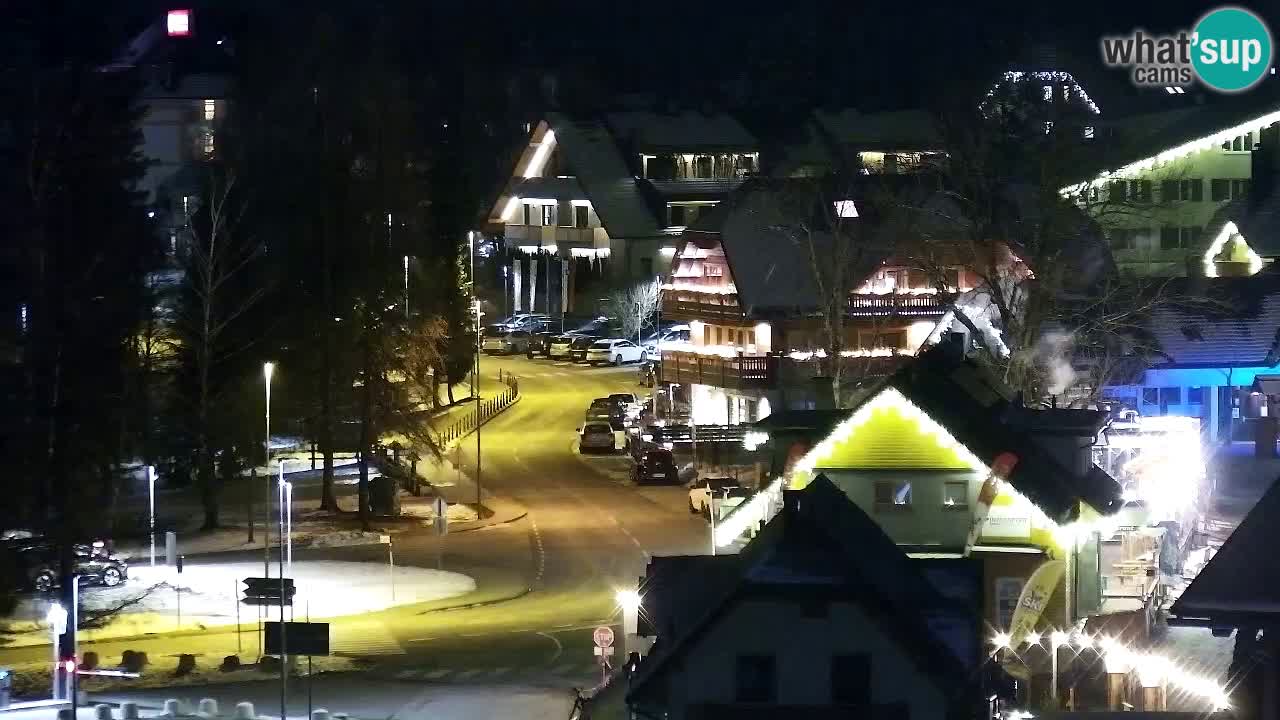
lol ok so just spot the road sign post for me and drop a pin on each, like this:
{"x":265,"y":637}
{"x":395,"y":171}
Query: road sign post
{"x":441,"y":524}
{"x":603,"y":638}
{"x":391,"y":563}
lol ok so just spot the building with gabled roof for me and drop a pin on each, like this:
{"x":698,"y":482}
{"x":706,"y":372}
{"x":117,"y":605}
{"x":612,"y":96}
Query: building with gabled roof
{"x":1206,"y":348}
{"x":820,"y":615}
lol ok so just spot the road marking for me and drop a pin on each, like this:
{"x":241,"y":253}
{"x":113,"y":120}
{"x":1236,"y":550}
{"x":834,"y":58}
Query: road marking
{"x":559,"y":647}
{"x":542,"y":555}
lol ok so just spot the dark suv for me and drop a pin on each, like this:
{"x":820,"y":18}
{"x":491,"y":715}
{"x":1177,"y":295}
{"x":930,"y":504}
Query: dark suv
{"x":36,"y":561}
{"x":656,"y":465}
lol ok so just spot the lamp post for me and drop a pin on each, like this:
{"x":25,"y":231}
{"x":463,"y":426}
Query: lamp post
{"x":285,"y":492}
{"x":475,"y":372}
{"x":406,"y":288}
{"x":268,"y":369}
{"x":151,"y":502}
{"x":629,"y":601}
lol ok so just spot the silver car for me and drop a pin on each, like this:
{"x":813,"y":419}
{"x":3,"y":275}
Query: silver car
{"x":596,"y":437}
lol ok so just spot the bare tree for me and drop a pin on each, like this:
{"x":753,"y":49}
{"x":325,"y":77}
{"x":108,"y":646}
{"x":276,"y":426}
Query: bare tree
{"x":216,"y":297}
{"x":634,"y":307}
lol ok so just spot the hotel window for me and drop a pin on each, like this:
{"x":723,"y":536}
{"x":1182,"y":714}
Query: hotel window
{"x":851,"y":680}
{"x":1048,"y":93}
{"x":1168,"y":191}
{"x":892,"y":494}
{"x":702,"y":167}
{"x":1150,"y":396}
{"x":1239,"y":189}
{"x":1192,"y":189}
{"x":1118,"y":191}
{"x":1195,"y":395}
{"x":1123,"y":239}
{"x":210,"y":109}
{"x":1189,"y":236}
{"x":528,"y":214}
{"x":1219,"y":189}
{"x":581,"y":216}
{"x":955,"y":494}
{"x":677,"y":215}
{"x":712,"y":270}
{"x":1088,"y":132}
{"x":1170,"y":238}
{"x":1140,"y":190}
{"x":1170,"y":396}
{"x":548,"y":214}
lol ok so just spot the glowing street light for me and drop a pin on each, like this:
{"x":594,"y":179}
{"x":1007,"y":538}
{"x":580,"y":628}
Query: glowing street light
{"x":151,"y":495}
{"x":1000,"y":640}
{"x":268,"y":369}
{"x":1033,"y":638}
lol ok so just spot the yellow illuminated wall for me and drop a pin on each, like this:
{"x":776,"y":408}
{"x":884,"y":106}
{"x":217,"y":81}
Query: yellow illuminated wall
{"x":889,"y":440}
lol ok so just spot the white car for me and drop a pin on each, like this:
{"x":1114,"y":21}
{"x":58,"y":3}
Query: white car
{"x":615,"y":351}
{"x":728,"y":495}
{"x":596,"y":436}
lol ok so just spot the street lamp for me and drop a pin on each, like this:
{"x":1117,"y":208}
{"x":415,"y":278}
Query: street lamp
{"x":268,"y":369}
{"x":475,"y":372}
{"x":151,"y":495}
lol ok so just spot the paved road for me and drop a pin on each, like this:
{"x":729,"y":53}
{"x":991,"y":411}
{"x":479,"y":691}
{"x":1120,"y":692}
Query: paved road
{"x":588,"y":533}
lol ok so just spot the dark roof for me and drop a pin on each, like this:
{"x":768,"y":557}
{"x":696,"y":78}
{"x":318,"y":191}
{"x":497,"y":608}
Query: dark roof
{"x":1242,"y":581}
{"x":681,"y":131}
{"x":1061,"y":421}
{"x":823,"y":544}
{"x":980,"y":411}
{"x":593,"y":155}
{"x":895,"y":130}
{"x":1234,"y":322}
{"x":817,"y":421}
{"x":670,"y":190}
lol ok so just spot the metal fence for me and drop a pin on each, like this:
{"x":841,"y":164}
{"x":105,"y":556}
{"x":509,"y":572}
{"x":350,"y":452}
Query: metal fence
{"x":477,"y":416}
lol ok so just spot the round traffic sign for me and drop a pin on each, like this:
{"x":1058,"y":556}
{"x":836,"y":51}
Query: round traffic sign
{"x":603,"y":636}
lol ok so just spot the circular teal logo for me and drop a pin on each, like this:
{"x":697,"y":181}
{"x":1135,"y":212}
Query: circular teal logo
{"x":1231,"y":49}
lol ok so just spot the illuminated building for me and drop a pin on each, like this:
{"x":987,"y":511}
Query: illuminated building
{"x":820,"y":615}
{"x":607,"y":196}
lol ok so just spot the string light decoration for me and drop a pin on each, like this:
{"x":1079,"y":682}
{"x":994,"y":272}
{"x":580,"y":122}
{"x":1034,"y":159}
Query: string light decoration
{"x":1153,"y":669}
{"x":1208,"y":142}
{"x":1229,"y":231}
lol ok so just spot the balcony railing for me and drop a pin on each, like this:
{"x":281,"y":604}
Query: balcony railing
{"x":710,"y":309}
{"x":765,"y":372}
{"x":897,"y":303}
{"x":744,"y":372}
{"x":553,"y":235}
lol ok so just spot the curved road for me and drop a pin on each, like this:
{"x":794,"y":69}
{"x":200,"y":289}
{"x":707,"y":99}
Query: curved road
{"x":588,"y":533}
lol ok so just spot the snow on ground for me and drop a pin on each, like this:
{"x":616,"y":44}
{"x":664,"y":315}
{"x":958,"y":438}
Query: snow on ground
{"x":210,"y":593}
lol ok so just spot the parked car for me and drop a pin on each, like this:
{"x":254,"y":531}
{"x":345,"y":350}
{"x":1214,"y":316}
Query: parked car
{"x":616,"y":351}
{"x":608,"y":410}
{"x":657,"y":341}
{"x":525,"y":321}
{"x":506,"y":343}
{"x":578,"y":349}
{"x":558,"y":349}
{"x":539,"y":344}
{"x":728,"y":493}
{"x":595,"y":437}
{"x":37,"y":562}
{"x":656,"y":465}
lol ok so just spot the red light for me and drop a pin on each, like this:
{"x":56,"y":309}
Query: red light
{"x":178,"y":23}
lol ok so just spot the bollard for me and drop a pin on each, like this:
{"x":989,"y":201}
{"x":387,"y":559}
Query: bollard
{"x":208,"y":707}
{"x":102,"y":712}
{"x":172,"y":708}
{"x":129,"y":710}
{"x":320,"y":714}
{"x":244,"y":711}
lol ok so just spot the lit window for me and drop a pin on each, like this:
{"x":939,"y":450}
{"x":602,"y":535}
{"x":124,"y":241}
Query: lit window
{"x":210,"y":108}
{"x":892,"y":494}
{"x":1048,"y":93}
{"x":955,"y":494}
{"x":846,"y":209}
{"x":1088,"y":132}
{"x":208,"y":142}
{"x":178,"y":23}
{"x":1048,"y":126}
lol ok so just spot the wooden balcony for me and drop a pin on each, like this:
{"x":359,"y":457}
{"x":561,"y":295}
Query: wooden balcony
{"x":897,"y":304}
{"x":745,"y":372}
{"x":765,"y":372}
{"x":715,"y":308}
